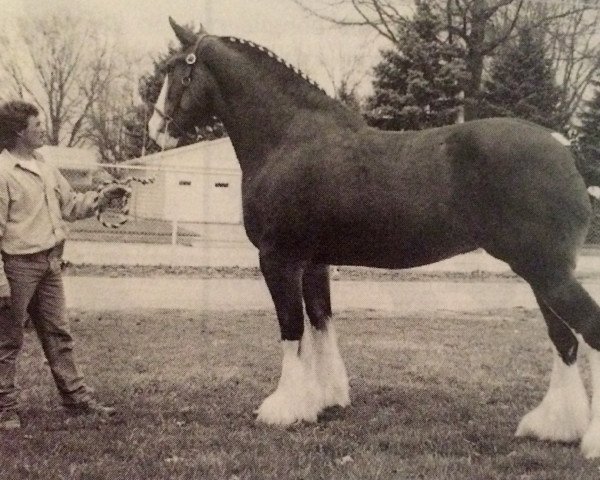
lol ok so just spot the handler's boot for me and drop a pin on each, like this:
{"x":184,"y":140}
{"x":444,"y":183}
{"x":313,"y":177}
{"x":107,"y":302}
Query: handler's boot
{"x":89,"y":407}
{"x":9,"y":421}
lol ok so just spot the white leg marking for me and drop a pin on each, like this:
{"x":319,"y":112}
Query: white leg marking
{"x":564,"y":413}
{"x":590,"y":444}
{"x":298,"y":396}
{"x":331,"y":372}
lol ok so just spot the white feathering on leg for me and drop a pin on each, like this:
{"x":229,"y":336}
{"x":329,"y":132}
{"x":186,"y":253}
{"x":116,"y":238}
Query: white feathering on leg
{"x":564,"y":413}
{"x":331,"y":372}
{"x":298,"y":396}
{"x":590,"y":443}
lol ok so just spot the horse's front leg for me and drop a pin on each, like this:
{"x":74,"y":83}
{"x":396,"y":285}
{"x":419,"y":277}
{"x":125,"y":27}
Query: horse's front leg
{"x":297,"y":396}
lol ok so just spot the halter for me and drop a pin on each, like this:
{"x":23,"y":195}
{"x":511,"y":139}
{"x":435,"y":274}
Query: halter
{"x":168,"y":119}
{"x":190,"y":60}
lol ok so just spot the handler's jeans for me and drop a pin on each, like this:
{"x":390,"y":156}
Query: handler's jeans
{"x":37,"y":289}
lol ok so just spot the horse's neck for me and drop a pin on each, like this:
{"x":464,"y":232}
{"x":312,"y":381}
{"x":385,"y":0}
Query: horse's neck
{"x":260,"y":110}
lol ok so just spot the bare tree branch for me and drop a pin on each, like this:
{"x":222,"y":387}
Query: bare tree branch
{"x":384,"y":16}
{"x":70,"y":65}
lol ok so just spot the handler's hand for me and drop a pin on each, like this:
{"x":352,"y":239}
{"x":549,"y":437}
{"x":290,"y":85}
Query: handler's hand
{"x":112,"y":192}
{"x":5,"y":302}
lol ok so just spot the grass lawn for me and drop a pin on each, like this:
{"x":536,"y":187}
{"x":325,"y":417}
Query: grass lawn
{"x":436,"y":396}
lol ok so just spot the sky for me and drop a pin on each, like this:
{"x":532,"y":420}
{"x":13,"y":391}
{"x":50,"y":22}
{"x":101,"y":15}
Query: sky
{"x":320,"y":49}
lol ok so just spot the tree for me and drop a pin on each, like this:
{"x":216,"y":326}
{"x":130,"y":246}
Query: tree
{"x":467,"y":22}
{"x":347,"y":95}
{"x":522,"y":84}
{"x":417,"y":84}
{"x":571,"y":34}
{"x":480,"y":26}
{"x":65,"y":64}
{"x":588,"y":138}
{"x":346,"y":73}
{"x":108,"y":120}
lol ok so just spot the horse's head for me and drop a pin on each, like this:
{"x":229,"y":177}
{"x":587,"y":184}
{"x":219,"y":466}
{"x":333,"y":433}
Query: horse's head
{"x":186,"y":97}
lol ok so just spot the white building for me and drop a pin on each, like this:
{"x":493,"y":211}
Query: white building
{"x":196,"y":183}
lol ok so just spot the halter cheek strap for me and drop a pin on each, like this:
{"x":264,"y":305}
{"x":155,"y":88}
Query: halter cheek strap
{"x":190,"y":60}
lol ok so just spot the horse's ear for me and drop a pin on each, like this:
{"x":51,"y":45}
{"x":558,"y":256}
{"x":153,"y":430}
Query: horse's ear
{"x":184,"y":35}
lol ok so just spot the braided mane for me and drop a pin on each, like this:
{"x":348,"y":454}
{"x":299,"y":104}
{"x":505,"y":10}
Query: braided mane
{"x":278,"y":59}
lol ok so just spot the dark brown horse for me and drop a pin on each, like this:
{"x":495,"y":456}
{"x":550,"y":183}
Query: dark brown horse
{"x":320,"y":187}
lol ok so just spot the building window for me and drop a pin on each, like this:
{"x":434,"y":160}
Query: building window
{"x":185,"y":182}
{"x":221,"y":185}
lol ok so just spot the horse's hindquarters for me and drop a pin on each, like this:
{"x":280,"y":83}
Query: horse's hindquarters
{"x":518,"y":191}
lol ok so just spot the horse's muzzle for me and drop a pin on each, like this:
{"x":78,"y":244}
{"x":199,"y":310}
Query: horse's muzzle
{"x":157,"y":129}
{"x":166,"y":141}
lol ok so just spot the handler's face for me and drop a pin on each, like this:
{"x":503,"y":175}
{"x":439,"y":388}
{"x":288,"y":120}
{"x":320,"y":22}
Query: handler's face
{"x":33,"y":136}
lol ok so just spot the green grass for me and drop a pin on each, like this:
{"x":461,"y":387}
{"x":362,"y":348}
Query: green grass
{"x":434,"y":396}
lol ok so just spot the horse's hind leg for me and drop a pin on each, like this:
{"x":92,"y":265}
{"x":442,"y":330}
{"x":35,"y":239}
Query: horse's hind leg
{"x":330,"y":369}
{"x":564,"y":413}
{"x":298,"y":395}
{"x":564,"y":300}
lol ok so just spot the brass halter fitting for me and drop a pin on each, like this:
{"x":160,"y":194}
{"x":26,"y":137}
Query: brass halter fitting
{"x":191,"y":59}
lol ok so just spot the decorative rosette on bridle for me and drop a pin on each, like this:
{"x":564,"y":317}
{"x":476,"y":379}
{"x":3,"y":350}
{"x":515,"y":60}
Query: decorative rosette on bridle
{"x":117,"y":209}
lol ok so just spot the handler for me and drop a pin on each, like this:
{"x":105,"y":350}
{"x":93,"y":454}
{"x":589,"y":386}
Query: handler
{"x":35,"y":199}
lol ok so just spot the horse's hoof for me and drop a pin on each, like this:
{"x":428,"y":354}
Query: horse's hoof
{"x":547,"y":422}
{"x":281,"y":409}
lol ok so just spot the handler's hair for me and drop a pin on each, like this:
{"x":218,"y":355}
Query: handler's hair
{"x":14,"y":116}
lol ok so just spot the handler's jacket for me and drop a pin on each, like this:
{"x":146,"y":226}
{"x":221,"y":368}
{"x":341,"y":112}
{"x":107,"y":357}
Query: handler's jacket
{"x":35,"y":199}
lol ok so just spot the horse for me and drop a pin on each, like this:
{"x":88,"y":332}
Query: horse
{"x":320,"y":187}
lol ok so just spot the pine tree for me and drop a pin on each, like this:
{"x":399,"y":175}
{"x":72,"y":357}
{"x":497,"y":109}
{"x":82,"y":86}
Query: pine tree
{"x":588,"y":138}
{"x":418,"y":82}
{"x":522,"y":84}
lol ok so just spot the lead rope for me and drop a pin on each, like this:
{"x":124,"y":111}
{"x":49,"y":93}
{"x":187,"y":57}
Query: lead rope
{"x":123,"y":215}
{"x":123,"y":210}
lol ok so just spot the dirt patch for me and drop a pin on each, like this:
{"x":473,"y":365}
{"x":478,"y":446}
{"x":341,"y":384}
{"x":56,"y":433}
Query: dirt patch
{"x":344,"y":273}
